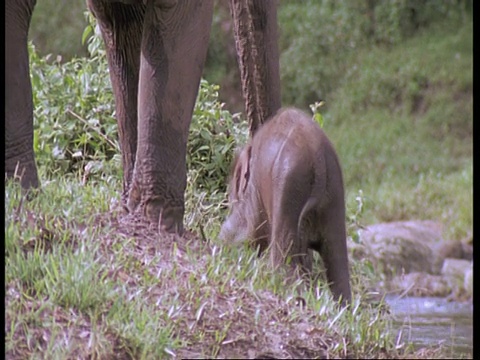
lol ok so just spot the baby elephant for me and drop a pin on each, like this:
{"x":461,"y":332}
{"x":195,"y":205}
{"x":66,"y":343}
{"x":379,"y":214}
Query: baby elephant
{"x":286,"y":193}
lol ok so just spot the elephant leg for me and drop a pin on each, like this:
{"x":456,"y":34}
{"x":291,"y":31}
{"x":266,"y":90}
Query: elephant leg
{"x":332,"y":246}
{"x":264,"y":14}
{"x":255,"y":25}
{"x":173,"y":52}
{"x":19,"y":154}
{"x":121,"y":26}
{"x":286,"y":207}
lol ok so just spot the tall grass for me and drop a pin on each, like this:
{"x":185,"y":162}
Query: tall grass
{"x":402,"y":123}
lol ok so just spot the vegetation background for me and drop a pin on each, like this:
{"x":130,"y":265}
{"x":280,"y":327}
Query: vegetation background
{"x":396,"y":78}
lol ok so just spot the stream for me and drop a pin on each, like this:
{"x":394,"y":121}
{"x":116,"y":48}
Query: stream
{"x":431,"y":321}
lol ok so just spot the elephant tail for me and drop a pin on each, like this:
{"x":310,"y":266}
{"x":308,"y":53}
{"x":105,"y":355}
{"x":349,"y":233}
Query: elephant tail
{"x":249,"y":60}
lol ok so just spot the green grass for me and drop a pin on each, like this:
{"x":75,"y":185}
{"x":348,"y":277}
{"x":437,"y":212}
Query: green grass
{"x":81,"y":283}
{"x":402,"y":123}
{"x":61,"y":286}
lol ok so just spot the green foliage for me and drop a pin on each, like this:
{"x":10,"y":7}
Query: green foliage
{"x":402,"y":122}
{"x":74,"y":122}
{"x":317,"y":116}
{"x":320,"y":39}
{"x":55,"y":27}
{"x":214,"y":134}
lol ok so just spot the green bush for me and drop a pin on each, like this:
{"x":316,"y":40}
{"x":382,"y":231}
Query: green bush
{"x":74,"y":116}
{"x":214,"y":135}
{"x":75,"y":129}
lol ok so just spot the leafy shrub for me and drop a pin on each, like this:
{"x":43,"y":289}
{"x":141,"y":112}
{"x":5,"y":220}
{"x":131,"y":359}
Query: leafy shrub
{"x":214,"y":134}
{"x":75,"y":129}
{"x":74,"y":116}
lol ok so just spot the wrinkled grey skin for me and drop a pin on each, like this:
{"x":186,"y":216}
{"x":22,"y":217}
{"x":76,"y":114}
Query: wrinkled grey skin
{"x":156,"y":51}
{"x":286,"y":193}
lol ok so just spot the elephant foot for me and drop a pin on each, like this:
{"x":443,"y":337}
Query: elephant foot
{"x":22,"y":169}
{"x":169,"y":219}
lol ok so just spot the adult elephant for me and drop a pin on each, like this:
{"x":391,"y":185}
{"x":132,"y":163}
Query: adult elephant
{"x":156,"y":51}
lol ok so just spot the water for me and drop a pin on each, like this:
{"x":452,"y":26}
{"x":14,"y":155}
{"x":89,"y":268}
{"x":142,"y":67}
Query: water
{"x":432,"y":321}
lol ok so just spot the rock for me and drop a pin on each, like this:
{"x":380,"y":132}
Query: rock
{"x":400,"y":247}
{"x":456,"y":268}
{"x":468,"y":282}
{"x":451,"y":249}
{"x":456,"y":272}
{"x":414,"y":259}
{"x":420,"y":284}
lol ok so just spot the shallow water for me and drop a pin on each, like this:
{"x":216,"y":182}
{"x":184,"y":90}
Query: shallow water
{"x":432,"y":321}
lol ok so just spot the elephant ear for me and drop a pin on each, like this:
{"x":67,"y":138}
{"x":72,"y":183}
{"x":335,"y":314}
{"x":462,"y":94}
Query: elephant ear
{"x":241,"y":174}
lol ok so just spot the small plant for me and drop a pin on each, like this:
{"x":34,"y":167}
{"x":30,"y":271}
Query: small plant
{"x":317,"y":116}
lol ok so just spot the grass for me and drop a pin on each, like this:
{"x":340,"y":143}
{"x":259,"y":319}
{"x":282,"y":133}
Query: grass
{"x":402,"y":123}
{"x":82,"y":283}
{"x":61,"y":280}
